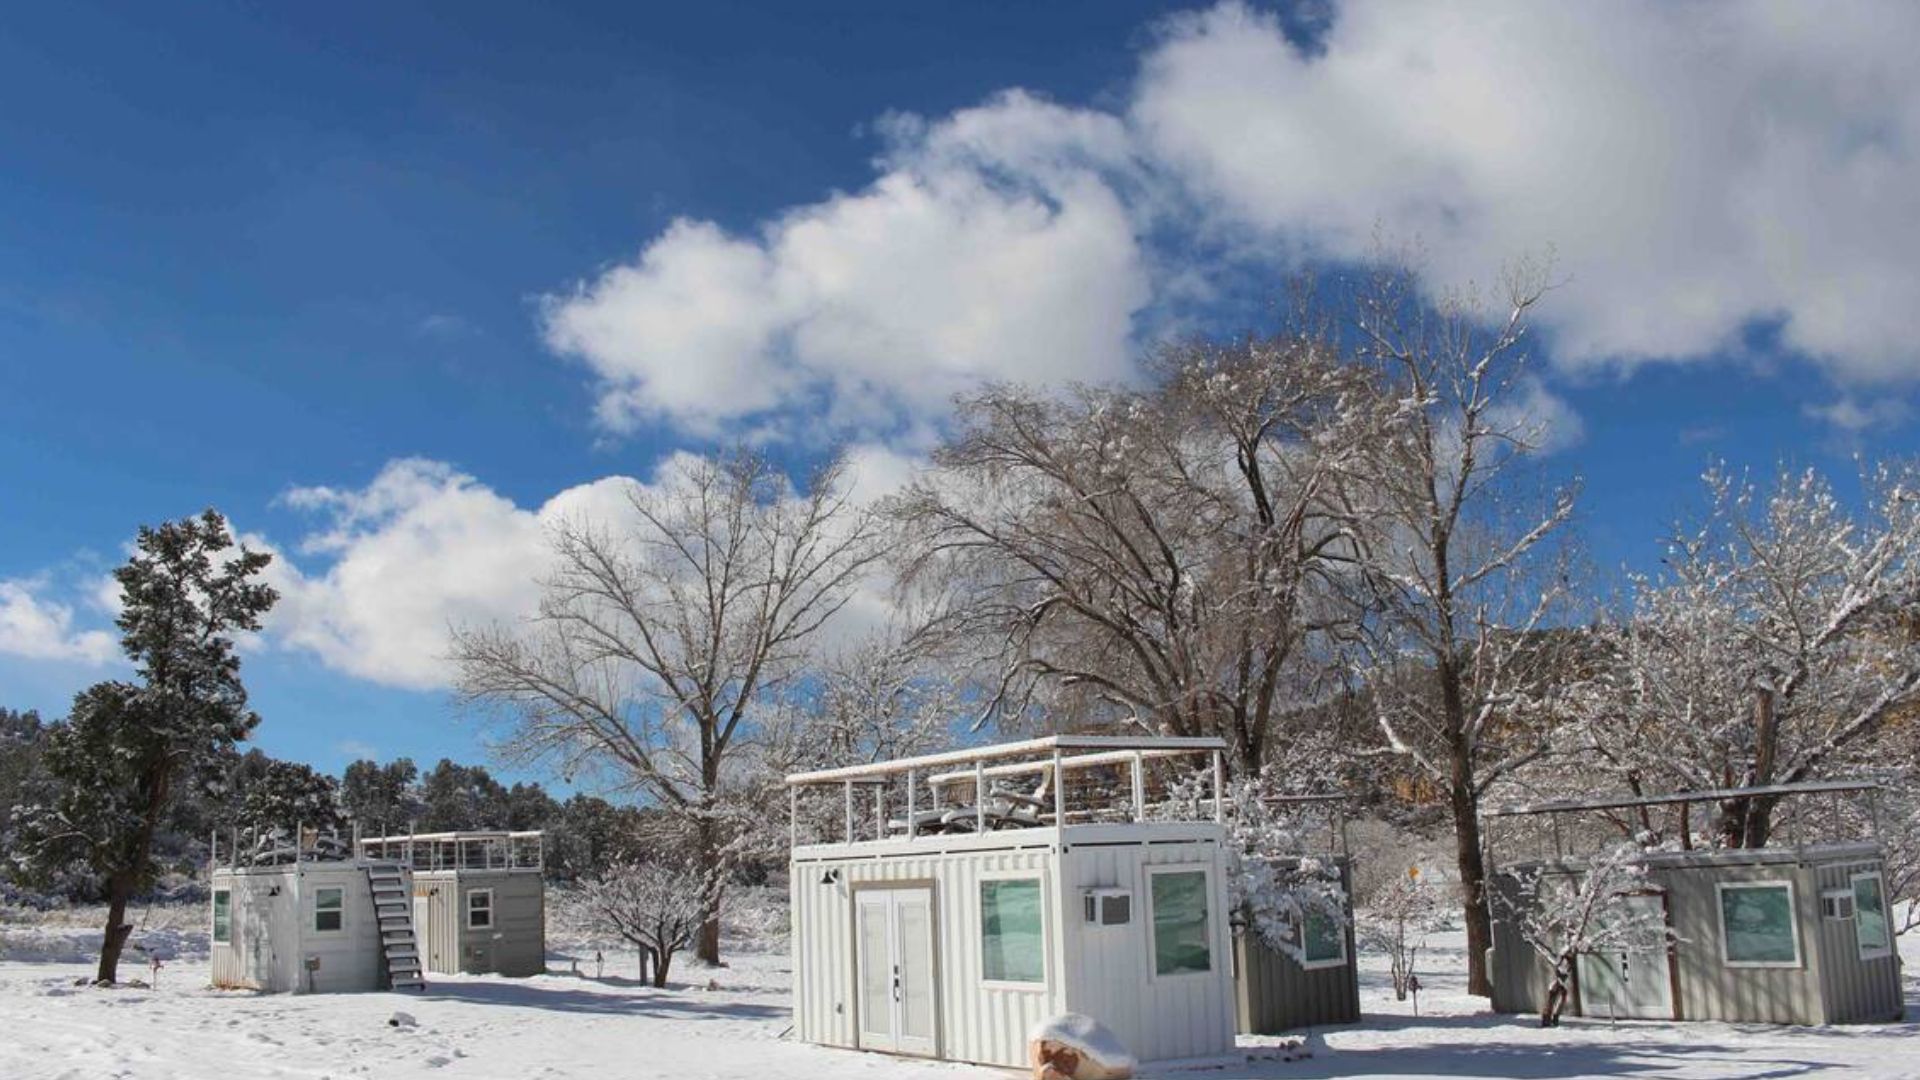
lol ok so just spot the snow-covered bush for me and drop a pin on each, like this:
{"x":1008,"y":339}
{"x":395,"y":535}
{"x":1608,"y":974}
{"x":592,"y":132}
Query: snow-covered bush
{"x":1278,"y":877}
{"x":656,"y":907}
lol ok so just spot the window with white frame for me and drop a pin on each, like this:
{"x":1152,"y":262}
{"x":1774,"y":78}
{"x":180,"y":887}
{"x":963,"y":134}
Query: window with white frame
{"x":1182,"y":941}
{"x":1324,"y":941}
{"x":223,"y":915}
{"x":1870,"y":929}
{"x":329,"y":910}
{"x":480,"y":909}
{"x":1758,"y":924}
{"x":1012,"y":931}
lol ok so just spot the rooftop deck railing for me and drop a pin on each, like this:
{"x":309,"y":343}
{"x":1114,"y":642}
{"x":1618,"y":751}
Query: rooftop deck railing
{"x":1058,"y":780}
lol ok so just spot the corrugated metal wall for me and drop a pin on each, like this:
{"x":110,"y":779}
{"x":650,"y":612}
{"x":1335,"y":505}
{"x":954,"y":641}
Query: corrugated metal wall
{"x":1831,"y":984}
{"x":1110,"y":969}
{"x":516,"y":944}
{"x":1709,"y":990}
{"x":1857,"y":989}
{"x":976,"y":1023}
{"x":273,"y":933}
{"x":1276,"y":994}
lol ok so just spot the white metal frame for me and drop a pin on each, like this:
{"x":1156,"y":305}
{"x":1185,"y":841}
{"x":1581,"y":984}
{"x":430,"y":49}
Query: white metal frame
{"x":1214,"y":951}
{"x":1886,"y":915}
{"x":314,"y":910}
{"x":1721,"y":888}
{"x":467,"y":906}
{"x":1040,"y":876}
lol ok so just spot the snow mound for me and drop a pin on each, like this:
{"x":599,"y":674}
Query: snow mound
{"x":1097,"y":1050}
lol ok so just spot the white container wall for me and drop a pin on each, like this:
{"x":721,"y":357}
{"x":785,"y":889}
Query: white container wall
{"x":278,"y":941}
{"x":842,"y":979}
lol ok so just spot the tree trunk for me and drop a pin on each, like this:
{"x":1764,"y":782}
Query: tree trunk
{"x":1473,"y":889}
{"x":707,"y":947}
{"x":1468,"y":856}
{"x":119,"y":888}
{"x":661,"y":959}
{"x":1557,"y":995}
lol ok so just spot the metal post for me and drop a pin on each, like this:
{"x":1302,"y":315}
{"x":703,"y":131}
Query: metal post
{"x":912,"y":827}
{"x":1059,"y":792}
{"x":880,"y":811}
{"x":847,"y":790}
{"x":1139,"y":768}
{"x":979,"y":797}
{"x":1219,"y":789}
{"x":793,"y":818}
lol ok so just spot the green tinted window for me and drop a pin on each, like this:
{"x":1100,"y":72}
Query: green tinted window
{"x":222,"y":915}
{"x":1325,"y":939}
{"x":1870,"y":915}
{"x":1011,"y":943}
{"x":1180,"y":942}
{"x":1757,"y":925}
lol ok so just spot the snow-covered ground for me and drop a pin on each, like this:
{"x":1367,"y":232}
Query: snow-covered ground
{"x":730,"y":1023}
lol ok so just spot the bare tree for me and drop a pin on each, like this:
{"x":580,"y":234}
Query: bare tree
{"x":1778,"y":645}
{"x":1397,"y":919}
{"x":1154,"y":559}
{"x":1456,"y":664}
{"x":658,"y":639}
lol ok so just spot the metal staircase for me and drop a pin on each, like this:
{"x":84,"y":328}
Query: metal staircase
{"x":393,"y":907}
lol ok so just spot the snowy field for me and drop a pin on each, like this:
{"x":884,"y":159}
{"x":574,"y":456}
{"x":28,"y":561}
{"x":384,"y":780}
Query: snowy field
{"x":731,"y":1022}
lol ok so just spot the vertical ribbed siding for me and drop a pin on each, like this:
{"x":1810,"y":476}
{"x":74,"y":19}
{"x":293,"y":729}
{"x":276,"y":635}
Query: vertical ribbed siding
{"x":1856,"y":989}
{"x":1831,"y":984}
{"x":976,"y":1023}
{"x":1110,"y":969}
{"x":1710,"y":990}
{"x":1275,"y":993}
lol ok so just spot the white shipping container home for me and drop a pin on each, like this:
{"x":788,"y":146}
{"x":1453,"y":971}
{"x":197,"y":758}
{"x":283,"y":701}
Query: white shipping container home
{"x":479,"y":898}
{"x":307,"y":919}
{"x":972,"y":895}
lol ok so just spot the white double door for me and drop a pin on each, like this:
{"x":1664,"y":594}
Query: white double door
{"x":1635,"y":982}
{"x":893,"y":930}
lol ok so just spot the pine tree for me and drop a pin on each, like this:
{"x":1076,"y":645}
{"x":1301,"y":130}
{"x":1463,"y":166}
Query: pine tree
{"x":129,"y":746}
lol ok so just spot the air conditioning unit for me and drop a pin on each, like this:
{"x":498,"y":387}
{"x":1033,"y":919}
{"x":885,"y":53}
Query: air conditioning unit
{"x":1108,"y":907}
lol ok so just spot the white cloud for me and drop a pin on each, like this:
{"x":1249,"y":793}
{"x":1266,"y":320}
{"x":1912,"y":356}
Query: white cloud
{"x":38,"y":628}
{"x":425,"y":547}
{"x":1698,"y":169}
{"x":994,"y":245}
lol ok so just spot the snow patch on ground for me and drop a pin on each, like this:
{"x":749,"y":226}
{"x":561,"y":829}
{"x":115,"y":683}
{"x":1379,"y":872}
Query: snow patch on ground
{"x":562,"y":1026}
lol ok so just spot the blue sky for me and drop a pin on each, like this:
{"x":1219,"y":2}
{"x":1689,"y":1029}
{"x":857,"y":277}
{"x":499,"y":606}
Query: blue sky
{"x":383,"y":282}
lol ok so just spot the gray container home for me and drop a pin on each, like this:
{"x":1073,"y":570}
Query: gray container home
{"x":1795,"y":933}
{"x":478,"y":899}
